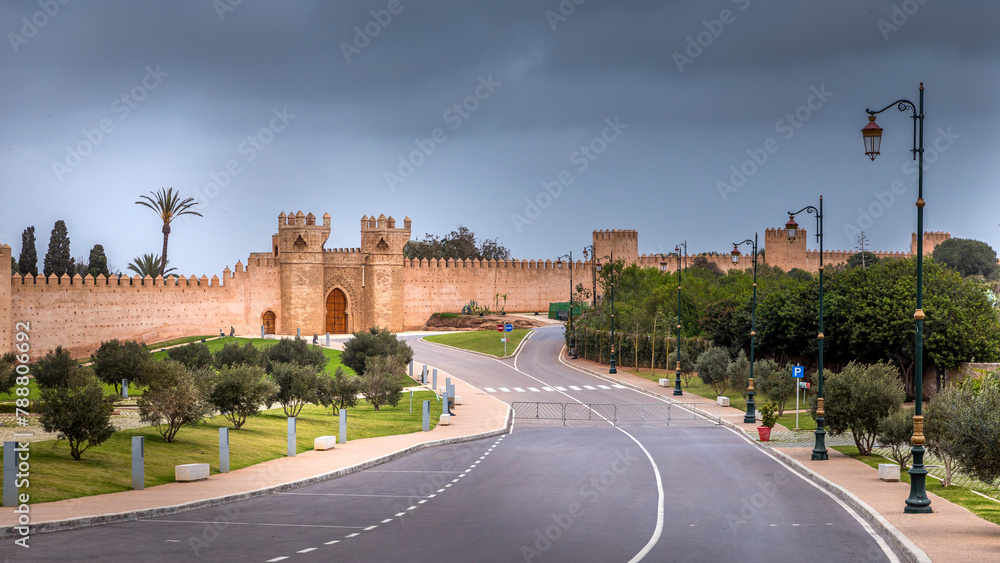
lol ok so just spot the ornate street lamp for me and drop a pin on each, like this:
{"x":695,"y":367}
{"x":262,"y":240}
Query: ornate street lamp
{"x":917,"y":502}
{"x":751,"y":415}
{"x":791,"y":227}
{"x":677,"y":381}
{"x":593,"y":271}
{"x":613,"y":370}
{"x":572,"y":334}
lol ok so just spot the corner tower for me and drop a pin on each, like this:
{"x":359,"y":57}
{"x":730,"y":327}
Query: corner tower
{"x":624,"y":244}
{"x":6,"y":303}
{"x":299,"y":248}
{"x":382,"y":246}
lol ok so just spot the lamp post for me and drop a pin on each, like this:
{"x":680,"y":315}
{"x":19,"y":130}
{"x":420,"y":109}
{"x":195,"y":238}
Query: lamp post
{"x":677,"y":380}
{"x":572,"y":334}
{"x":593,"y":271}
{"x":819,"y":450}
{"x":917,"y":502}
{"x":751,"y":415}
{"x":612,"y":370}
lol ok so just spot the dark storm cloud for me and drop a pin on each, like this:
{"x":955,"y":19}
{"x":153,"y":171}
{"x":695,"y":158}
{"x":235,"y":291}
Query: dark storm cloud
{"x":700,"y":87}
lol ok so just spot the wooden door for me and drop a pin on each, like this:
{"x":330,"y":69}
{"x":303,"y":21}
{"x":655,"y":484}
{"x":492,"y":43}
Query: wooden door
{"x":336,"y":312}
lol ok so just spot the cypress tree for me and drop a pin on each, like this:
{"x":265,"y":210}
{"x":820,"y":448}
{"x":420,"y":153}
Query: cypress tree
{"x":57,"y":259}
{"x":98,"y":262}
{"x":27,"y":262}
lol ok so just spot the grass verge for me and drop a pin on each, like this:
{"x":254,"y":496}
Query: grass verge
{"x":487,"y":342}
{"x":962,"y":496}
{"x":107,"y":468}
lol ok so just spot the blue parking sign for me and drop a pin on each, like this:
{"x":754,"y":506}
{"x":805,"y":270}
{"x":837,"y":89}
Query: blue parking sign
{"x":798,"y":371}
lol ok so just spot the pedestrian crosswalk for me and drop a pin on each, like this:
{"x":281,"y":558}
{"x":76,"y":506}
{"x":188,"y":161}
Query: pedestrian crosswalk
{"x":551,"y":389}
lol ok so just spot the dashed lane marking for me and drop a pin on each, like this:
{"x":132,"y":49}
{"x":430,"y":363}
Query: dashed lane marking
{"x":489,"y":389}
{"x":505,"y":390}
{"x":519,"y":390}
{"x":590,"y":387}
{"x":575,"y":388}
{"x":533,"y":389}
{"x":306,"y":550}
{"x":331,"y":542}
{"x":276,"y":559}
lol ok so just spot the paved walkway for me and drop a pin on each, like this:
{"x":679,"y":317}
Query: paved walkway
{"x":950,"y":534}
{"x":477,"y":415}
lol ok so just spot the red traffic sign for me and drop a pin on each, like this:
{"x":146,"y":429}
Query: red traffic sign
{"x":500,"y":328}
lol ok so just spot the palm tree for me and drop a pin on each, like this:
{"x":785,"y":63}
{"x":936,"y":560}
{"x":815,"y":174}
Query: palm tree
{"x":148,"y":265}
{"x":168,"y":206}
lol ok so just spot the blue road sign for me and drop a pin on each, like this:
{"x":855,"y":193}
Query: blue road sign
{"x":508,"y":327}
{"x":798,"y":371}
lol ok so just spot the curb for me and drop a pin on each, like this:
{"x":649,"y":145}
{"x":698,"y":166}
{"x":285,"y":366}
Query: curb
{"x":483,"y":354}
{"x":87,"y":521}
{"x":910,"y":551}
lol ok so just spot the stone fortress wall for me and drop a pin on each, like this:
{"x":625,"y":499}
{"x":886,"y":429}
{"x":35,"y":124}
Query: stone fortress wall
{"x":295,"y":284}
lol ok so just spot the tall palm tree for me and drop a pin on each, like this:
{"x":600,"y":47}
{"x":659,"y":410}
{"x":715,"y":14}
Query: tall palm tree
{"x":148,"y":265}
{"x":168,"y":206}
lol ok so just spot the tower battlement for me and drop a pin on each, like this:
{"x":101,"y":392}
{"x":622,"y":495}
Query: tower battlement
{"x":381,"y":236}
{"x":622,"y":243}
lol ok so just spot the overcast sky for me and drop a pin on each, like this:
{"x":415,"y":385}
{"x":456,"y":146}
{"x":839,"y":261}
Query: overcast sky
{"x":535,"y":122}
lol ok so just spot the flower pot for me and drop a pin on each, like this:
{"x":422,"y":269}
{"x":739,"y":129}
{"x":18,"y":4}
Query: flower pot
{"x":765,"y":433}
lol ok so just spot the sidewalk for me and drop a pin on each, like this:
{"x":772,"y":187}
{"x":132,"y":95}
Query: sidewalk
{"x":951,"y":533}
{"x":480,"y":415}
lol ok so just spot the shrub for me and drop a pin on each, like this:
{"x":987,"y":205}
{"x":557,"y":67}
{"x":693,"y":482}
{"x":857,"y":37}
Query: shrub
{"x":297,"y":385}
{"x":712,"y":365}
{"x":380,"y":383}
{"x":116,"y":360}
{"x":976,"y":427}
{"x":940,"y":432}
{"x":372,"y":343}
{"x":340,"y":391}
{"x":195,"y":355}
{"x":55,"y":368}
{"x":294,"y":350}
{"x":240,"y":392}
{"x":175,"y":397}
{"x":8,"y":373}
{"x":232,"y":354}
{"x":767,"y":416}
{"x":775,"y":383}
{"x":859,"y":397}
{"x":687,"y":364}
{"x":738,"y":372}
{"x":895,"y":432}
{"x":78,"y":411}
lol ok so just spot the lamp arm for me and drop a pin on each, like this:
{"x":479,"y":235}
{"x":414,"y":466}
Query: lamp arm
{"x":903,"y":105}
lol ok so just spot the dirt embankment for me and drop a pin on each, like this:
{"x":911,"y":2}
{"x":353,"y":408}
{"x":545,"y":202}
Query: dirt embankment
{"x":471,"y":322}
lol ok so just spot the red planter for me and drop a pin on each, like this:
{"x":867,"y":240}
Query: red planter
{"x":765,"y":433}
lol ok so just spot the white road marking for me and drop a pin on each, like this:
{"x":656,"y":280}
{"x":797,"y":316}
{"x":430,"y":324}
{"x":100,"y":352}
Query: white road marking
{"x":449,"y":484}
{"x":590,"y":387}
{"x":431,"y":496}
{"x":173,"y":541}
{"x":331,"y":542}
{"x":276,"y":559}
{"x":370,"y":528}
{"x":387,"y":520}
{"x":306,"y":550}
{"x":158,"y":521}
{"x":575,"y":388}
{"x":796,"y":525}
{"x":412,"y":507}
{"x":440,"y":490}
{"x":425,"y":500}
{"x":546,"y":388}
{"x":619,"y":386}
{"x":519,"y":390}
{"x":400,"y":514}
{"x":533,"y":389}
{"x":455,"y":480}
{"x":604,"y":387}
{"x":489,"y":389}
{"x":345,"y":494}
{"x":355,"y":534}
{"x":505,"y":390}
{"x":560,"y":388}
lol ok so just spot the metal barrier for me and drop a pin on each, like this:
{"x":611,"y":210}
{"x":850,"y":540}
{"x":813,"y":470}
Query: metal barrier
{"x":620,"y":414}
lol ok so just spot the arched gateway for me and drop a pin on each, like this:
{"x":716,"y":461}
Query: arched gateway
{"x":336,"y":312}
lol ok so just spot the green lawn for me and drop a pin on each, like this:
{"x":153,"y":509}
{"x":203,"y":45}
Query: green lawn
{"x":806,"y":421}
{"x":487,"y":342}
{"x":984,"y":508}
{"x":218,"y":343}
{"x":107,"y":468}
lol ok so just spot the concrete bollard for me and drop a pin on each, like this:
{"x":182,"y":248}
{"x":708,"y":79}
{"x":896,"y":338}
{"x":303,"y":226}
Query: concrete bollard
{"x":10,"y":469}
{"x":138,"y":462}
{"x":343,"y":426}
{"x":298,"y":333}
{"x":124,"y":389}
{"x":262,"y":333}
{"x":427,"y":419}
{"x":291,"y":436}
{"x":223,"y":450}
{"x":434,"y":382}
{"x":411,"y":369}
{"x":328,"y":340}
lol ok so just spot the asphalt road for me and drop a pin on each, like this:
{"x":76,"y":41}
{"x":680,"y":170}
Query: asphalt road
{"x":544,"y":492}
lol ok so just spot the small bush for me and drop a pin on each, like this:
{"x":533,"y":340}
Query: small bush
{"x":297,"y":385}
{"x":858,"y":398}
{"x":240,"y":392}
{"x":712,"y":369}
{"x":232,"y":354}
{"x":193,"y":356}
{"x":340,"y":391}
{"x":8,"y":373}
{"x":373,"y":343}
{"x":175,"y":397}
{"x":295,"y":351}
{"x":78,"y":411}
{"x":116,"y":360}
{"x":380,"y":383}
{"x":739,"y":373}
{"x":895,"y":432}
{"x":767,"y":416}
{"x":55,"y":368}
{"x":775,"y":383}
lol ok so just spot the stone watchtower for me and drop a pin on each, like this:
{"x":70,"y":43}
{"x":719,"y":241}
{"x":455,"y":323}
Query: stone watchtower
{"x":624,"y":244}
{"x":382,"y":247}
{"x":299,"y":251}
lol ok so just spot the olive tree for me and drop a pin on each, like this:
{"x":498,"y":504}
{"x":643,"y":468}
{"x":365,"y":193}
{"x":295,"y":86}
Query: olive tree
{"x":895,"y":432}
{"x":116,"y":360}
{"x":858,"y":398}
{"x":78,"y":411}
{"x":297,"y":385}
{"x":712,"y":365}
{"x":371,"y":343}
{"x":775,"y":383}
{"x":340,"y":391}
{"x":240,"y":392}
{"x":175,"y":397}
{"x":380,"y":383}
